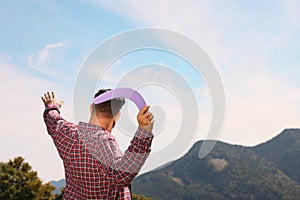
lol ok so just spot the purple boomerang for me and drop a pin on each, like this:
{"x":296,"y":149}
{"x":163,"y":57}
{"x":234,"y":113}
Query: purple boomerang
{"x":128,"y":93}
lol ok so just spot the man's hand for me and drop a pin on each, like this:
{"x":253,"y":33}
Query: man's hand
{"x":145,"y":118}
{"x":49,"y":98}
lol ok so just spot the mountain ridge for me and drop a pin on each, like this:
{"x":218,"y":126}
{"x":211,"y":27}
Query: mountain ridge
{"x":287,"y":145}
{"x":229,"y":171}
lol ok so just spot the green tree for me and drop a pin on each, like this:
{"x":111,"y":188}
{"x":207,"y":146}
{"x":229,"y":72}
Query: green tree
{"x":61,"y":194}
{"x":19,"y":182}
{"x":139,"y":197}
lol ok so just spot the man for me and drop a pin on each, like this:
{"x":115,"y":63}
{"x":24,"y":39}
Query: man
{"x":94,"y":166}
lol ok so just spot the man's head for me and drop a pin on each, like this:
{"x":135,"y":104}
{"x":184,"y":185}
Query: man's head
{"x":108,"y":109}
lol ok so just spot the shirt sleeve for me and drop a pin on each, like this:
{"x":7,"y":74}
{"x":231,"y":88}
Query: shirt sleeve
{"x":61,"y":131}
{"x":123,"y":169}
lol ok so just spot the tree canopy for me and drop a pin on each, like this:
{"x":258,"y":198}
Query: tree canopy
{"x":19,"y":182}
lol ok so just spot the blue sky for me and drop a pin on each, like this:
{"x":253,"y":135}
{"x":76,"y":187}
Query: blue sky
{"x":255,"y":46}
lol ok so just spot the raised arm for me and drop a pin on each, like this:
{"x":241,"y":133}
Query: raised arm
{"x":125,"y":168}
{"x":61,"y":131}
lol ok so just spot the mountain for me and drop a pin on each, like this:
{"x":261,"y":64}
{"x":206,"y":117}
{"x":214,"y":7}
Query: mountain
{"x":58,"y":185}
{"x":230,"y":172}
{"x":283,"y":151}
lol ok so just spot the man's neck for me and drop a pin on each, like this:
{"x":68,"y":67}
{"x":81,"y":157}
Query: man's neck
{"x":104,"y":122}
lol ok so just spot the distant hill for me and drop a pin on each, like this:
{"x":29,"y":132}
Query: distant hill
{"x":283,"y":151}
{"x":268,"y":171}
{"x":58,"y":185}
{"x":229,"y":172}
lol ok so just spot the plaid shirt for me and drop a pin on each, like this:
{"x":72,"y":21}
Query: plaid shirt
{"x":94,"y":166}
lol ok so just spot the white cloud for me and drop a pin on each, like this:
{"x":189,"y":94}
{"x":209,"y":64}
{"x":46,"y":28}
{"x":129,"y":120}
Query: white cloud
{"x":42,"y":59}
{"x":22,"y":129}
{"x":193,"y":19}
{"x":292,"y":7}
{"x":258,"y":102}
{"x":259,"y":106}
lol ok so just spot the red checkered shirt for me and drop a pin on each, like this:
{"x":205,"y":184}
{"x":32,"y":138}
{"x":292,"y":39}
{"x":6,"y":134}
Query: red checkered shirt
{"x":94,"y":166}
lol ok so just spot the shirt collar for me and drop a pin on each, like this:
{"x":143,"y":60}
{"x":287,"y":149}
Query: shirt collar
{"x":92,"y":127}
{"x":89,"y":126}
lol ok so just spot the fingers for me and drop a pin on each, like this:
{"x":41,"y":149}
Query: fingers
{"x":147,"y":117}
{"x":151,"y":117}
{"x":144,"y":110}
{"x":53,"y":95}
{"x":48,"y":95}
{"x":152,"y":121}
{"x":60,"y":103}
{"x":147,"y":114}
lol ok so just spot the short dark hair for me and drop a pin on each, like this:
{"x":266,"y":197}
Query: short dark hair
{"x":110,"y":107}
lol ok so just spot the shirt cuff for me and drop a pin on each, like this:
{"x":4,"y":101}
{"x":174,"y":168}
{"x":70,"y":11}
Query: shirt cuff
{"x":52,"y":106}
{"x":143,"y":134}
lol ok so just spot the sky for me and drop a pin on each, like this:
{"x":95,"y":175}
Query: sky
{"x":254,"y":45}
